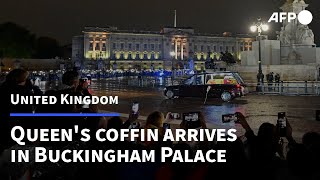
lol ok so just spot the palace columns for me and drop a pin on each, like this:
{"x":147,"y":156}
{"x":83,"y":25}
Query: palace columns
{"x":176,"y":48}
{"x":181,"y":48}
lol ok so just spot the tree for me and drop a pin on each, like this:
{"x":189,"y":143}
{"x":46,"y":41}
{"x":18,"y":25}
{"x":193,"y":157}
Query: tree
{"x":47,"y":48}
{"x":210,"y":64}
{"x":66,"y":51}
{"x":227,"y":58}
{"x":16,"y":41}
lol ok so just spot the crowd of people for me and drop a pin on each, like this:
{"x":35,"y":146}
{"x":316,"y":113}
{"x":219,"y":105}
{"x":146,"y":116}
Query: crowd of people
{"x":103,"y":74}
{"x":260,"y":156}
{"x":37,"y":76}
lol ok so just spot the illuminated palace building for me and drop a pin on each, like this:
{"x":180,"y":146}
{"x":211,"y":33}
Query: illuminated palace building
{"x":171,"y":48}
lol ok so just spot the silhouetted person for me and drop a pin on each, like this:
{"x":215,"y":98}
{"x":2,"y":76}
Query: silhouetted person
{"x":270,"y":80}
{"x":15,"y":83}
{"x":277,"y":80}
{"x":70,"y":81}
{"x":263,"y":148}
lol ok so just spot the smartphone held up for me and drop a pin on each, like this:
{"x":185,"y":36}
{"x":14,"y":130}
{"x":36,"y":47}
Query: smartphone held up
{"x":84,"y":82}
{"x":135,"y":125}
{"x":227,"y":118}
{"x":175,"y":115}
{"x":282,"y":124}
{"x":135,"y":108}
{"x":192,"y":120}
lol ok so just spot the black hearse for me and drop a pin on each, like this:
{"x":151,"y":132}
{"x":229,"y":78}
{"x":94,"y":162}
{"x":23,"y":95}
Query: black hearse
{"x":224,"y":85}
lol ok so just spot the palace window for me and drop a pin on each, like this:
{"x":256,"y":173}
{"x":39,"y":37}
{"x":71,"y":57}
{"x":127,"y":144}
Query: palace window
{"x":137,"y":47}
{"x":195,"y":48}
{"x":91,"y":46}
{"x":97,"y":46}
{"x":227,"y":48}
{"x":208,"y":48}
{"x":215,"y":48}
{"x":145,"y":46}
{"x":114,"y":45}
{"x":160,"y":46}
{"x":122,"y":46}
{"x":190,"y":44}
{"x":103,"y":46}
{"x":152,"y":47}
{"x":221,"y":49}
{"x":130,"y":46}
{"x":201,"y":48}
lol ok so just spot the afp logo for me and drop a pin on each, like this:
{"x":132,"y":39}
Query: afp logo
{"x":304,"y":17}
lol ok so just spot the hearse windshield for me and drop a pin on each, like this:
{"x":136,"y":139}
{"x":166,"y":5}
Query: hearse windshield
{"x":239,"y":78}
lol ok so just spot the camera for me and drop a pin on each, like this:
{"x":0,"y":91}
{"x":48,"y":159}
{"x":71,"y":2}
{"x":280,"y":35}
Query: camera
{"x":226,"y":118}
{"x":282,"y":124}
{"x":192,"y":120}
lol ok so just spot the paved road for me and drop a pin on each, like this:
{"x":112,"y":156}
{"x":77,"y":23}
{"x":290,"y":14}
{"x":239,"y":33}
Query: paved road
{"x":300,"y":110}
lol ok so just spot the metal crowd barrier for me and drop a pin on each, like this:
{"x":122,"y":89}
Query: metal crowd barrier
{"x":290,"y":88}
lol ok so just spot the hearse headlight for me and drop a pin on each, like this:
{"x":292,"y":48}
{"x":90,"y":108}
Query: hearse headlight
{"x":165,"y":89}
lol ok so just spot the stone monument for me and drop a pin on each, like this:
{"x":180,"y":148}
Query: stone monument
{"x":293,"y":55}
{"x":296,"y":39}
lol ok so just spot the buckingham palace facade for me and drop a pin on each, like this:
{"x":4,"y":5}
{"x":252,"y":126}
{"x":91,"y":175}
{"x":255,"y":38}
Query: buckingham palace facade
{"x":172,"y":47}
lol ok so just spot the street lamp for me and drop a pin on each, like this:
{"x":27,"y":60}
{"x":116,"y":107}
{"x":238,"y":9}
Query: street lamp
{"x":259,"y":27}
{"x":172,"y":54}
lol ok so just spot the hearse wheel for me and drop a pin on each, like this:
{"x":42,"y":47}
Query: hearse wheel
{"x":170,"y":94}
{"x":226,"y":96}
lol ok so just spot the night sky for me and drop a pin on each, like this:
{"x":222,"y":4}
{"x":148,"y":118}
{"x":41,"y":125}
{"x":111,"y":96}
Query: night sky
{"x":61,"y":19}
